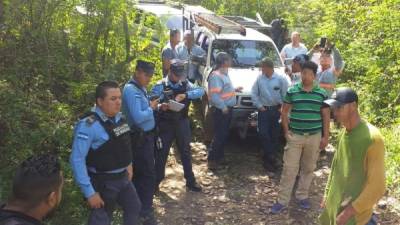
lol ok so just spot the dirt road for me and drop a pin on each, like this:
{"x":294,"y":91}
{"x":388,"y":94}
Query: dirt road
{"x":242,"y":193}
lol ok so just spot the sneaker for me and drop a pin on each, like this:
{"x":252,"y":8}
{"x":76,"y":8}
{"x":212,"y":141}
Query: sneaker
{"x":304,"y":204}
{"x":212,"y":165}
{"x":195,"y":187}
{"x":277,"y":208}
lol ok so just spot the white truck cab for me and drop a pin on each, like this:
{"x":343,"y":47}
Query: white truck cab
{"x":246,"y":49}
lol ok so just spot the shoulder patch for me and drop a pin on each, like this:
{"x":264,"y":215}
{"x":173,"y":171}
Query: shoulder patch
{"x":82,"y":135}
{"x":90,"y":120}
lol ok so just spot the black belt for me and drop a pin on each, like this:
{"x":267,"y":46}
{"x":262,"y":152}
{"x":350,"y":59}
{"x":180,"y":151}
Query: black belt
{"x":228,"y":107}
{"x":108,"y":176}
{"x":150,"y":132}
{"x":272,"y":107}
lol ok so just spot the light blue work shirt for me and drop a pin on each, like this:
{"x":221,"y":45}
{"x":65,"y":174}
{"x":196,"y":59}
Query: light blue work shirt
{"x":88,"y":134}
{"x":328,"y":77}
{"x":291,"y":52}
{"x":221,"y":91}
{"x":168,"y":53}
{"x":193,"y":92}
{"x":183,"y":54}
{"x":269,"y":91}
{"x":136,"y":107}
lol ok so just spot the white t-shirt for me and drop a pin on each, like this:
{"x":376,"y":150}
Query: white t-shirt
{"x":291,"y":52}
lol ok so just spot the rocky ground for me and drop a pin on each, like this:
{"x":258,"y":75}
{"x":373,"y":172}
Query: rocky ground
{"x":241,"y":193}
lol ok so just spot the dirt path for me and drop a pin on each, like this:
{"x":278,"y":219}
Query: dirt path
{"x":242,"y":193}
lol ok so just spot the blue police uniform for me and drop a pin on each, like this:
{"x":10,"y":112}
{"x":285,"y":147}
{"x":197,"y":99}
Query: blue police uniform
{"x":175,"y":126}
{"x":100,"y":148}
{"x":136,"y":107}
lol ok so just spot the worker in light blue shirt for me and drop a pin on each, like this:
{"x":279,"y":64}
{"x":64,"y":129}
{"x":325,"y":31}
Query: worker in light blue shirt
{"x":331,"y":65}
{"x":193,"y":54}
{"x":175,"y":125}
{"x":169,"y":51}
{"x":267,"y":95}
{"x":139,"y":111}
{"x":222,"y":97}
{"x":102,"y":154}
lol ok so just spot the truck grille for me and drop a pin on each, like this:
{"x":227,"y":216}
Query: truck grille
{"x":245,"y":101}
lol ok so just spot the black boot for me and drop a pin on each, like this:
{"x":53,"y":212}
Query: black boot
{"x":194,"y":186}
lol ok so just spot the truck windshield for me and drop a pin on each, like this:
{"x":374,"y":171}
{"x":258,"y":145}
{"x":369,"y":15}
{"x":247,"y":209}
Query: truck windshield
{"x":246,"y":53}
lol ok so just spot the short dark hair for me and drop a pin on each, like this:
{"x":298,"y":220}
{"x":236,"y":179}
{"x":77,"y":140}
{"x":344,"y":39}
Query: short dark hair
{"x":220,"y":59}
{"x":35,"y":179}
{"x":101,"y":89}
{"x":310,"y":65}
{"x":173,"y":32}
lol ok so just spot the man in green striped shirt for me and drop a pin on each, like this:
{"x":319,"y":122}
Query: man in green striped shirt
{"x":304,"y":117}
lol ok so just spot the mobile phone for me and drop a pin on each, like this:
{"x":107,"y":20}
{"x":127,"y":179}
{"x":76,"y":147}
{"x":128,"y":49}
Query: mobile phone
{"x":322,"y":42}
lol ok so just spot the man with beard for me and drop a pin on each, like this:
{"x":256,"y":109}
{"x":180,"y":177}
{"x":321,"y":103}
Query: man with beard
{"x":36,"y":192}
{"x":357,"y":180}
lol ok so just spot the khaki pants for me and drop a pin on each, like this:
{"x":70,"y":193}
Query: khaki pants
{"x":302,"y":151}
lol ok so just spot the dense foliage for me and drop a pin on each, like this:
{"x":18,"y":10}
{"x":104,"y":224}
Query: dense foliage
{"x":53,"y":53}
{"x":367,"y":32}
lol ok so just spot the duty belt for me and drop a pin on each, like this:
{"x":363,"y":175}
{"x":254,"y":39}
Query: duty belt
{"x":272,"y":107}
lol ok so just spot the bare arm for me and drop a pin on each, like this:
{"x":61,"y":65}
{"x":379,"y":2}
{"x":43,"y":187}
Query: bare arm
{"x":326,"y":117}
{"x":285,"y":118}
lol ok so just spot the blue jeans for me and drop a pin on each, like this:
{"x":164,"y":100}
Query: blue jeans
{"x":269,"y":132}
{"x":221,"y":132}
{"x":178,"y":130}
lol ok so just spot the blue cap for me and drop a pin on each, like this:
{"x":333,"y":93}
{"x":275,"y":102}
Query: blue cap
{"x":145,"y":66}
{"x":177,"y":67}
{"x":301,"y":59}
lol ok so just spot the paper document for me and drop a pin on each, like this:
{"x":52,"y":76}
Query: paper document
{"x":175,"y":106}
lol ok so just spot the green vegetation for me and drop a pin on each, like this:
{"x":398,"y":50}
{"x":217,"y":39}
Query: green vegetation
{"x":367,"y":32}
{"x":53,"y":53}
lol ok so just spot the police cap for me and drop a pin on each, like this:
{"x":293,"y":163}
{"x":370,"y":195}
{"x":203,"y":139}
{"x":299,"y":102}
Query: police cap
{"x":177,"y":67}
{"x":145,"y":66}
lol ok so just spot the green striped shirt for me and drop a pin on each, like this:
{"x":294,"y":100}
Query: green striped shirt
{"x":305,"y":116}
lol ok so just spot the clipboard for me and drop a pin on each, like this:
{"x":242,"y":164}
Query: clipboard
{"x":175,"y":106}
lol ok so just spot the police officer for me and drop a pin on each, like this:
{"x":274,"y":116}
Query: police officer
{"x":139,"y":112}
{"x":267,"y":95}
{"x":222,"y":99}
{"x":101,"y":159}
{"x":175,"y":125}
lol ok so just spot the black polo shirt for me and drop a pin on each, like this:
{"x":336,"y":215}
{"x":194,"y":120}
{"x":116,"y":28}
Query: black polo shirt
{"x":9,"y":217}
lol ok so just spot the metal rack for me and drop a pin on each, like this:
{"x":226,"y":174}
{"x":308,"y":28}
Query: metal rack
{"x":219,"y":24}
{"x":251,"y":23}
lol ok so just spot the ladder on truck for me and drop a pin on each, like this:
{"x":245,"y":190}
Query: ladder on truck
{"x":219,"y":24}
